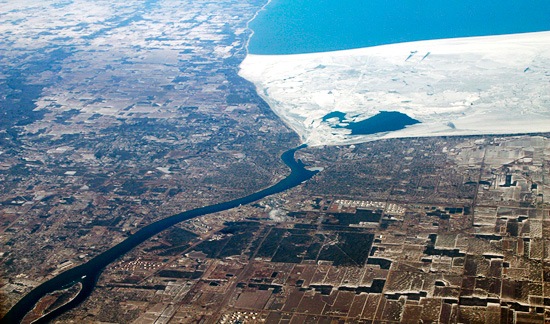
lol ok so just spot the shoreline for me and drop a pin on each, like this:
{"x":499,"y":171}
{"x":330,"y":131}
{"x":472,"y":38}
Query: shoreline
{"x":252,"y":30}
{"x":258,"y":90}
{"x":455,"y":86}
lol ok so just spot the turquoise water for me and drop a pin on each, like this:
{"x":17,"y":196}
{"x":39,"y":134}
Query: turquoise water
{"x":306,"y":26}
{"x":384,"y":121}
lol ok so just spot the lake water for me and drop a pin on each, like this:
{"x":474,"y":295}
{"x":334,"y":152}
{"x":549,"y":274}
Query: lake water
{"x":307,"y":26}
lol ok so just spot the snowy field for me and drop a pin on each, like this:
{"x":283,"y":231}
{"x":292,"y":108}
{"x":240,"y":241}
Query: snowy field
{"x":459,"y":86}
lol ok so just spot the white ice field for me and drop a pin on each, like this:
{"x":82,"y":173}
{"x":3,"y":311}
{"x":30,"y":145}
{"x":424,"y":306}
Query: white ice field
{"x":460,"y":86}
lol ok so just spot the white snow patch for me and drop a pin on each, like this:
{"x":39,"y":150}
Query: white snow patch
{"x":460,"y":86}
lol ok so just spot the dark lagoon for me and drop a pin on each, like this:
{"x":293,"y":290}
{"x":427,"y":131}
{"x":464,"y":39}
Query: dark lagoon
{"x":307,"y":26}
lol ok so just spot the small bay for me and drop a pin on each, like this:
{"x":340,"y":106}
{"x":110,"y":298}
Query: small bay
{"x":308,"y":26}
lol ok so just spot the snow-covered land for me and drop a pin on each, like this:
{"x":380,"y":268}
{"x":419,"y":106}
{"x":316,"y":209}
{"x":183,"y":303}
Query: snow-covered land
{"x":460,"y":86}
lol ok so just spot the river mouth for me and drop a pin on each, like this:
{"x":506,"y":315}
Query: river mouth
{"x":87,"y":273}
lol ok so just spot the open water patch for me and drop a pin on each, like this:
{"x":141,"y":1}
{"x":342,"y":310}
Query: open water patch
{"x":384,"y":121}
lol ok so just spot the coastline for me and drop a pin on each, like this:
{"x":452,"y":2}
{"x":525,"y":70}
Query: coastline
{"x":251,"y":20}
{"x":260,"y":93}
{"x":457,"y":86}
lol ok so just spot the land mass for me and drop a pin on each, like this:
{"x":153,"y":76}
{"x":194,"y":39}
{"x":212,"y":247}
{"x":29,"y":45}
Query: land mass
{"x":125,"y":113}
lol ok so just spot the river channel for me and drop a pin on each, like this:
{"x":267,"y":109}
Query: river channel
{"x":88,"y":273}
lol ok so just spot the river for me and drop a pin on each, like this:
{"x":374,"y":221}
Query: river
{"x":89,"y":272}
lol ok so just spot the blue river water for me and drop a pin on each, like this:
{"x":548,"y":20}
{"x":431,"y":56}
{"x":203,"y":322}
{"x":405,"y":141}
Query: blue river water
{"x":307,"y":26}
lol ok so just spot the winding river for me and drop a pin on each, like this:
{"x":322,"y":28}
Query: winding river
{"x":88,"y":273}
